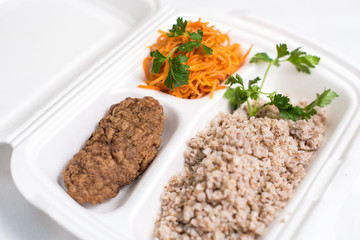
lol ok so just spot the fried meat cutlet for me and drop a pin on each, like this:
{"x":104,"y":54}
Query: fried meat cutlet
{"x":124,"y":144}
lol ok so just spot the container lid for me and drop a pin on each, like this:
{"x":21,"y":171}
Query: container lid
{"x":46,"y":45}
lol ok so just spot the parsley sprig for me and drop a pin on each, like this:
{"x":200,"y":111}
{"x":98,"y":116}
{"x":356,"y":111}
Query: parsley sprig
{"x":194,"y":41}
{"x":178,"y":73}
{"x":302,"y":62}
{"x":178,"y":29}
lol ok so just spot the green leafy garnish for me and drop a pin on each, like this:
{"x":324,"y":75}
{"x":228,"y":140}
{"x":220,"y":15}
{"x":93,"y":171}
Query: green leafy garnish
{"x":237,"y":96}
{"x":302,"y":62}
{"x":178,"y":29}
{"x":159,"y":59}
{"x":323,"y":99}
{"x":261,"y":57}
{"x":299,"y":59}
{"x":178,"y":73}
{"x":197,"y":36}
{"x":195,"y":41}
{"x":288,"y":111}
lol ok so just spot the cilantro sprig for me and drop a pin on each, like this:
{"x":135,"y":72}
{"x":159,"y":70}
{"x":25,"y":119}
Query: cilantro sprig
{"x":302,"y":62}
{"x":178,"y":74}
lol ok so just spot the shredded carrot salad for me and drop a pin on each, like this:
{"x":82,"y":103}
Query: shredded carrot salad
{"x":207,"y":72}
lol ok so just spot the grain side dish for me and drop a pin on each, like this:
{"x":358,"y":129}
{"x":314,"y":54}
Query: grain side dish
{"x":124,"y":144}
{"x":239,"y":173}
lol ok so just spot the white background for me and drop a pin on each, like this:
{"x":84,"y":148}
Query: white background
{"x":336,"y":23}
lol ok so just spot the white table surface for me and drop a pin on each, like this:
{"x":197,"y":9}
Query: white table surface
{"x":334,"y":22}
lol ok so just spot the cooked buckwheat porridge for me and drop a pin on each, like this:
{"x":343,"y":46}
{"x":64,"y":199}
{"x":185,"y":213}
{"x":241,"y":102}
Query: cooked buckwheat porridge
{"x":238,"y":175}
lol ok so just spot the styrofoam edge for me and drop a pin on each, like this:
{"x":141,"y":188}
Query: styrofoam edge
{"x":324,"y":212}
{"x":30,"y":194}
{"x":331,"y":177}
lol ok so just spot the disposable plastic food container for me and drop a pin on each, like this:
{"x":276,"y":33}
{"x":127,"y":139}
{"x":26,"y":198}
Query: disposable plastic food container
{"x":93,"y":59}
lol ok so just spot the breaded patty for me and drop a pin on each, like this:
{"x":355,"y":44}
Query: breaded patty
{"x":120,"y":149}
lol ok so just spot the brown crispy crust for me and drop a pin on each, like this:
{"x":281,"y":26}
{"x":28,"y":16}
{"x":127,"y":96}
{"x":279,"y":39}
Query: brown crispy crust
{"x":120,"y":149}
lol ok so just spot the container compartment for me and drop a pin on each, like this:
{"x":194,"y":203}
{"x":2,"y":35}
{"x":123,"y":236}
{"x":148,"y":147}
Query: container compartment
{"x":58,"y":146}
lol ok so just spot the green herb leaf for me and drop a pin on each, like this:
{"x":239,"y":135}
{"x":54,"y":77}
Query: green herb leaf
{"x":178,"y":74}
{"x":293,"y":113}
{"x":302,"y":61}
{"x":159,"y":59}
{"x":323,"y":99}
{"x":253,"y":89}
{"x":289,"y":111}
{"x":198,"y":36}
{"x":188,"y":47}
{"x":232,"y":80}
{"x":207,"y":49}
{"x":261,"y":57}
{"x":286,"y":109}
{"x":254,"y":81}
{"x":236,"y":97}
{"x":282,"y":50}
{"x":253,"y":92}
{"x":178,"y":29}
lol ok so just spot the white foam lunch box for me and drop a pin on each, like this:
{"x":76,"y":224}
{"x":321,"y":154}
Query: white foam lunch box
{"x":91,"y":55}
